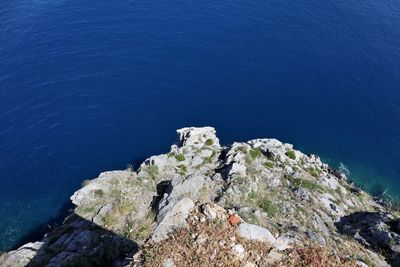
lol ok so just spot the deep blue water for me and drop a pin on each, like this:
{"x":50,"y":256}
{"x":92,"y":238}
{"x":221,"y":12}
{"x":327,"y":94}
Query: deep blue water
{"x":88,"y":86}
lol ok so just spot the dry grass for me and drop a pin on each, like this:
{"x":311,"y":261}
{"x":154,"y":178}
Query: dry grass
{"x":204,"y":244}
{"x":209,"y":243}
{"x":315,"y":256}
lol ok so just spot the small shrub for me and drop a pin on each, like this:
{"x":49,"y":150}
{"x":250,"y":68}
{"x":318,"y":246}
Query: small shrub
{"x":252,"y":194}
{"x":152,"y":170}
{"x":182,"y":169}
{"x":249,"y":217}
{"x":255,"y":153}
{"x":207,"y":160}
{"x":313,"y":171}
{"x":116,"y":194}
{"x":338,"y":190}
{"x":253,"y":171}
{"x":291,"y":154}
{"x":209,"y":142}
{"x":86,"y":210}
{"x":310,"y":185}
{"x":180,"y":157}
{"x":269,"y":164}
{"x":108,"y":220}
{"x":99,"y":193}
{"x":242,"y":149}
{"x":143,"y":229}
{"x":307,"y":184}
{"x":267,"y":206}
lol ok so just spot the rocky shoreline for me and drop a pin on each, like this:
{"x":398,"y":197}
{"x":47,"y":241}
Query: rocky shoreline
{"x":255,"y":203}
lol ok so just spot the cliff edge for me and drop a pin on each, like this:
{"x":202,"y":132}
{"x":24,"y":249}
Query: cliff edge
{"x":255,"y":203}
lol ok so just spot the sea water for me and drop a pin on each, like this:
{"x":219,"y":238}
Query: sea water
{"x":89,"y":86}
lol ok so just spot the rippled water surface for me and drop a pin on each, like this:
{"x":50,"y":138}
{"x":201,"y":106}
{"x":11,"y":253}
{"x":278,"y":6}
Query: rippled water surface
{"x":88,"y":86}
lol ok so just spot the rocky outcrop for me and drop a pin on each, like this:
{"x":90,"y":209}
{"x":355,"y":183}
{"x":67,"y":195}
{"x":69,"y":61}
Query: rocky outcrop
{"x":267,"y":202}
{"x":379,"y":231}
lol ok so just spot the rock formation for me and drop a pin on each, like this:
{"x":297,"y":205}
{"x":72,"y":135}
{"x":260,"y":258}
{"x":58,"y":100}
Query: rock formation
{"x":256,"y":203}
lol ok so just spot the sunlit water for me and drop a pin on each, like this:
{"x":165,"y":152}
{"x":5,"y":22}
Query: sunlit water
{"x":88,"y":86}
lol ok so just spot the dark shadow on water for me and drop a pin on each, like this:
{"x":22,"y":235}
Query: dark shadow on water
{"x":38,"y":232}
{"x":88,"y":243}
{"x":79,"y":242}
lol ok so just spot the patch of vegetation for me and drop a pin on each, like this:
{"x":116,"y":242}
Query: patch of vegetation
{"x":116,"y":194}
{"x":185,"y":249}
{"x":142,"y":230}
{"x":207,"y":160}
{"x":209,"y":142}
{"x":241,"y":180}
{"x":249,"y":217}
{"x":171,"y":154}
{"x":367,"y":261}
{"x":315,"y":172}
{"x":252,"y":195}
{"x":125,"y":207}
{"x":302,"y":209}
{"x":263,"y":203}
{"x":291,"y":154}
{"x":253,"y":170}
{"x":180,"y":157}
{"x":182,"y":169}
{"x":242,"y":149}
{"x":99,"y":193}
{"x":108,"y":220}
{"x":255,"y":153}
{"x":310,"y":185}
{"x":338,"y":190}
{"x":312,"y":255}
{"x":85,"y":182}
{"x":307,"y":184}
{"x":361,"y":198}
{"x":267,"y":206}
{"x":269,"y":164}
{"x":152,"y":170}
{"x":86,"y":210}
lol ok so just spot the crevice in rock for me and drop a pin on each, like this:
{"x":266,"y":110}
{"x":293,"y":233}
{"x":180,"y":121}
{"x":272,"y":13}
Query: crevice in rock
{"x":162,"y":188}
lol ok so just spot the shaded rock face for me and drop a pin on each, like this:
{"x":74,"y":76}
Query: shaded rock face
{"x":77,"y":243}
{"x":378,"y":231}
{"x":267,"y":183}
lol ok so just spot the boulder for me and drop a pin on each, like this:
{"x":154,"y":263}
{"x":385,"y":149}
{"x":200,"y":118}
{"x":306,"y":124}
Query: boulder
{"x":173,"y":219}
{"x":255,"y":232}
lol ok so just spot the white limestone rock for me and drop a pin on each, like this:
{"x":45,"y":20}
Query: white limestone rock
{"x":22,"y":256}
{"x":198,"y":137}
{"x":173,"y":219}
{"x":255,"y":232}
